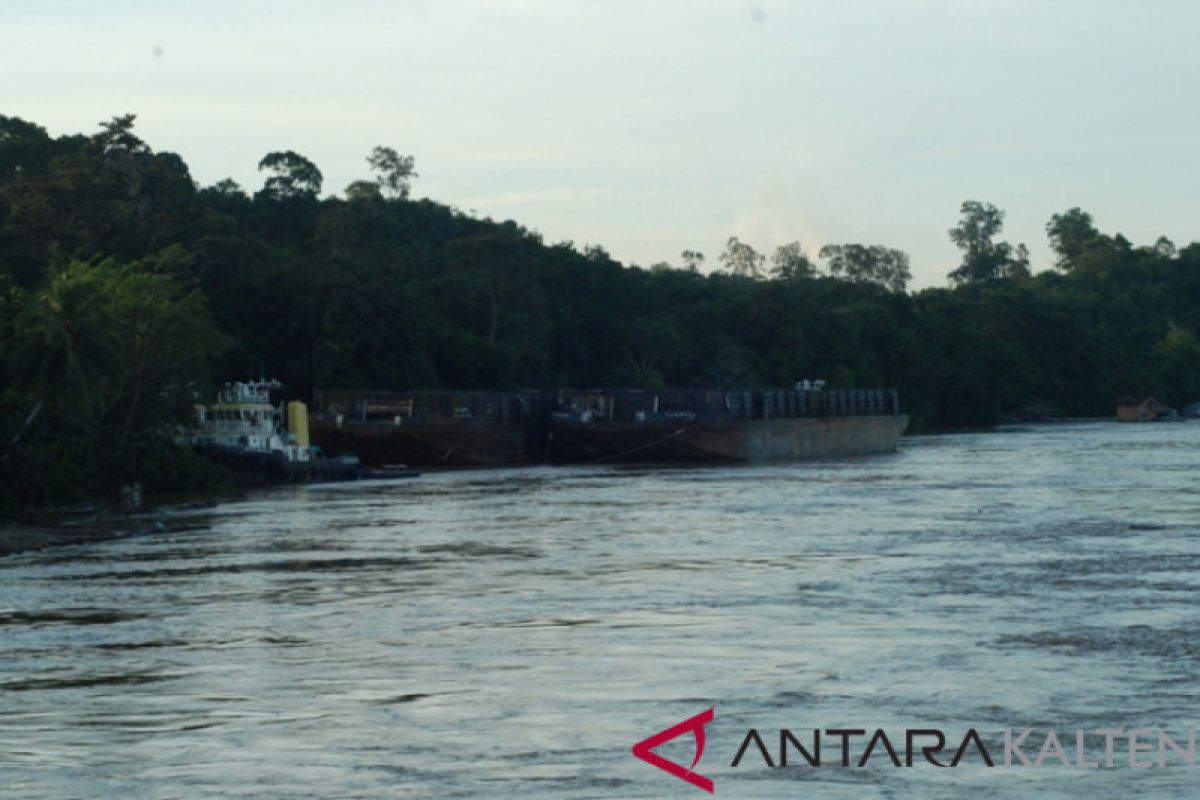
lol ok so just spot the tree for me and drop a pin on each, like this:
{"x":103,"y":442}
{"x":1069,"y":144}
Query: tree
{"x":503,"y":331}
{"x":101,"y":365}
{"x":883,"y":266}
{"x":791,"y":263}
{"x":652,"y":347}
{"x":1071,"y":234}
{"x":117,"y":135}
{"x":1177,"y":361}
{"x":597,"y":254}
{"x":983,"y":258}
{"x":490,"y":267}
{"x":164,"y":340}
{"x":363,"y":190}
{"x":293,"y":176}
{"x":1017,"y":266}
{"x":110,"y":194}
{"x":394,"y":171}
{"x":66,"y":344}
{"x":693,"y":260}
{"x":228,"y":187}
{"x":22,"y":145}
{"x":112,"y":335}
{"x":742,"y":259}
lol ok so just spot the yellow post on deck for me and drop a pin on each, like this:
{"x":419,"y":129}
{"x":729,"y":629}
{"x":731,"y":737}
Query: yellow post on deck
{"x":297,"y":422}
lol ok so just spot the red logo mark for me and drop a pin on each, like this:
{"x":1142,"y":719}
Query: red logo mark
{"x":645,"y":750}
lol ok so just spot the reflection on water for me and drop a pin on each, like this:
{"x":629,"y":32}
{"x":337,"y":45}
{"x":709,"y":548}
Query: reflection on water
{"x":513,"y":633}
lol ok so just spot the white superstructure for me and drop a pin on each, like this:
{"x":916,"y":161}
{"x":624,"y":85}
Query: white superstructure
{"x":243,"y":420}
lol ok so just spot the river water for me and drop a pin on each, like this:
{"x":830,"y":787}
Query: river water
{"x":514,"y":633}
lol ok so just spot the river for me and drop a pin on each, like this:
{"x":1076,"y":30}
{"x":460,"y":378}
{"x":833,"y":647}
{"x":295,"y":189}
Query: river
{"x":513,"y":633}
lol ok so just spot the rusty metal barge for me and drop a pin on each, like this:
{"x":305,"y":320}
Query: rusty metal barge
{"x":458,"y":429}
{"x":715,"y":425}
{"x":449,"y":429}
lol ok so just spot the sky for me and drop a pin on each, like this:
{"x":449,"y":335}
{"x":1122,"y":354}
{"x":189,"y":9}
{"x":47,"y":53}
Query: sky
{"x":653,"y":126}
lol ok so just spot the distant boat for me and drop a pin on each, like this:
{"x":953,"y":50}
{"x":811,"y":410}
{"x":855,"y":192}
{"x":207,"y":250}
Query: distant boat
{"x":1143,"y":409}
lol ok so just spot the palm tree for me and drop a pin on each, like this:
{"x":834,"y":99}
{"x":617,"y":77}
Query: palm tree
{"x":66,"y":345}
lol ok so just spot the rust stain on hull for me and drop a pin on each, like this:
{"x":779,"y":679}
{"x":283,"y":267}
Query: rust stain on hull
{"x":729,"y":440}
{"x":450,"y":443}
{"x":757,"y":440}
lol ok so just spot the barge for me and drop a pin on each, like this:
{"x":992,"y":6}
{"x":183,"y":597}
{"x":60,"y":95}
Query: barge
{"x":717,"y":425}
{"x":566,"y":426}
{"x":431,"y":428}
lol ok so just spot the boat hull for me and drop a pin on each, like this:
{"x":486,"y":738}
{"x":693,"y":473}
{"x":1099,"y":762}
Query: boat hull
{"x":248,"y":467}
{"x":732,"y":441}
{"x":449,"y":443}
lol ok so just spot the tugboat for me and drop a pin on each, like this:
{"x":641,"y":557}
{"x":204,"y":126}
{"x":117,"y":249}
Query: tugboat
{"x":263,"y":442}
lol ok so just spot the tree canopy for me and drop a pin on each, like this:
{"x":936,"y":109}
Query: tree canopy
{"x":983,"y":258}
{"x":292,"y":175}
{"x":126,"y":291}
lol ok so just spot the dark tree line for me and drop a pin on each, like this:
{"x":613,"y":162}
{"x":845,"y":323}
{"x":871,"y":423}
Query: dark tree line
{"x":126,"y":289}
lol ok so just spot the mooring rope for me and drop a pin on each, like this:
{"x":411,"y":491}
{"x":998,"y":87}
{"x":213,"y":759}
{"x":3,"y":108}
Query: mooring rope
{"x":639,"y":448}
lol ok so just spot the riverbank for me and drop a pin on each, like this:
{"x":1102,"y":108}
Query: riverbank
{"x":18,"y":538}
{"x":26,"y":535}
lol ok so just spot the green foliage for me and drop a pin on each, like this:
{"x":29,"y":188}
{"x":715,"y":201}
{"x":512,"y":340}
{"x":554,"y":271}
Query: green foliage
{"x":790,"y":263}
{"x":108,"y":195}
{"x":1071,"y":235}
{"x":693,"y":260}
{"x":984,"y":259}
{"x":869,"y":264}
{"x":102,"y":363}
{"x":123,"y":287}
{"x":741,"y":259}
{"x":1177,"y":355}
{"x":363,"y":191}
{"x":292,"y":175}
{"x":394,"y":172}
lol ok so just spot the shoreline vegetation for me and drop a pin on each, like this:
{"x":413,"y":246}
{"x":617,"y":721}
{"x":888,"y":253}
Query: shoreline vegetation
{"x":128,"y":292}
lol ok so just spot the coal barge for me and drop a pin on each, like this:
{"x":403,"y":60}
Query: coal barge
{"x":718,"y":425}
{"x":438,"y":429}
{"x":568,"y":426}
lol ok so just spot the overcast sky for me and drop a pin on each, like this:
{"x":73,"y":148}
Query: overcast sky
{"x":650,"y":127}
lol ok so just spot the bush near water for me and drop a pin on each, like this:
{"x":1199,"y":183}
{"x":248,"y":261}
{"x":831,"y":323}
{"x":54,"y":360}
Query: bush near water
{"x":126,"y":289}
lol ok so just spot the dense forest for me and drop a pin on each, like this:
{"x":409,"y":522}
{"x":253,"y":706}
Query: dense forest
{"x":127,"y":291}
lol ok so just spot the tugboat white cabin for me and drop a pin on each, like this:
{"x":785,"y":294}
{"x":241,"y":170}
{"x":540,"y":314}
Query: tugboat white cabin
{"x":243,"y":420}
